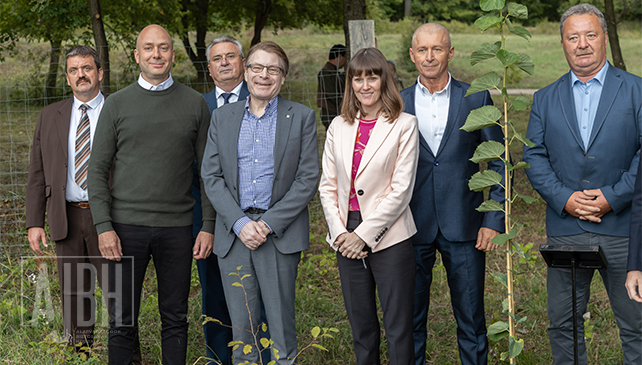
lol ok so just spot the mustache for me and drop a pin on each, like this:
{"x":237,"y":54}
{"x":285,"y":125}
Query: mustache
{"x":81,"y":79}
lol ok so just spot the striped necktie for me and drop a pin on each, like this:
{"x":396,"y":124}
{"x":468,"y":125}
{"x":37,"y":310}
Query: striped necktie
{"x":83,"y":149}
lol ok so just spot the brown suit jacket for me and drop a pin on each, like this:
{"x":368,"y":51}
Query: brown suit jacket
{"x":47,"y":178}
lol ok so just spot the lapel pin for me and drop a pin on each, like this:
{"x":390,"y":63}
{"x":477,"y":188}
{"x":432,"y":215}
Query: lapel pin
{"x":287,"y":116}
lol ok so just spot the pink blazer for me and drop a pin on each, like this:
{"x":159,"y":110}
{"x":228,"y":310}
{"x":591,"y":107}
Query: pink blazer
{"x":384,"y":181}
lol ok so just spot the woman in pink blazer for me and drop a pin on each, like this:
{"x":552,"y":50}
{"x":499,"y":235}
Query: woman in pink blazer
{"x":369,"y":164}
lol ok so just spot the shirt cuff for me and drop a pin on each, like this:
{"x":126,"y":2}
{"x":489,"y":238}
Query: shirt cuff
{"x":240,"y":223}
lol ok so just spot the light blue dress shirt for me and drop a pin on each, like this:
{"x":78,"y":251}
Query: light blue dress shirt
{"x":256,"y":159}
{"x":587,"y":98}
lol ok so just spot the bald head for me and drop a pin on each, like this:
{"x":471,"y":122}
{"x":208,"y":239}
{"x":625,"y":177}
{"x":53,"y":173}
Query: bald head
{"x":432,"y":29}
{"x":154,"y":53}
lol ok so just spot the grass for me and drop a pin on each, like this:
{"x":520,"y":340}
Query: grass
{"x":319,"y":301}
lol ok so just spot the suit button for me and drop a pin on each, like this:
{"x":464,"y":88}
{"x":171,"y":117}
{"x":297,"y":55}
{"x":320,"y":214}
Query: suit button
{"x":360,"y":192}
{"x":436,"y":163}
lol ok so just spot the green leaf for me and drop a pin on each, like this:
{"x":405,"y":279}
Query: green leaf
{"x":484,"y":82}
{"x":526,"y":64}
{"x":247,"y":349}
{"x":507,"y":58}
{"x":237,"y":284}
{"x":319,"y":347}
{"x":489,"y":206}
{"x":485,"y":22}
{"x":484,"y":52}
{"x":263,"y":327}
{"x":484,"y":179}
{"x":527,"y":199}
{"x":521,"y":103}
{"x":515,"y":346}
{"x":315,"y":331}
{"x":265,"y":342}
{"x":504,"y":356}
{"x":519,"y":11}
{"x":521,"y":32}
{"x":505,"y":305}
{"x":520,"y":137}
{"x":519,"y":165}
{"x":245,"y":276}
{"x":497,"y":331}
{"x":488,"y":5}
{"x":500,"y":278}
{"x":480,"y":118}
{"x":501,"y":239}
{"x":488,"y":151}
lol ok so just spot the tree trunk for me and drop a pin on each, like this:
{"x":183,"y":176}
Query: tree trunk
{"x":352,"y":10}
{"x":102,"y":47}
{"x":198,"y":58}
{"x":614,"y":40}
{"x":52,"y":74}
{"x":406,"y":8}
{"x":262,"y":13}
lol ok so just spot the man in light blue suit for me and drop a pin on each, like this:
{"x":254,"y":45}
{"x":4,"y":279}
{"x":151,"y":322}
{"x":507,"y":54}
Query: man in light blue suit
{"x":225,"y":63}
{"x":586,"y":130}
{"x":442,"y":205}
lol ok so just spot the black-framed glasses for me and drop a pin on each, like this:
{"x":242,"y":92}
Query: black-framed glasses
{"x":258,"y":68}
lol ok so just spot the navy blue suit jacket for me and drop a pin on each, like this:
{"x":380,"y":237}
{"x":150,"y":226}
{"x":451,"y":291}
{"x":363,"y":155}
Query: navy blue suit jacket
{"x":441,"y":199}
{"x":560,"y":165}
{"x":210,"y":98}
{"x":635,"y":239}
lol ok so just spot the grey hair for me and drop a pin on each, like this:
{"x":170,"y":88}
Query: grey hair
{"x":582,"y":9}
{"x":222,"y":39}
{"x":83,"y":51}
{"x":431,"y":28}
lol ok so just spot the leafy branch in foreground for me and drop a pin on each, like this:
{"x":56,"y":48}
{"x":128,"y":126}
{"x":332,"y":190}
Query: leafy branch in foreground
{"x":262,"y":344}
{"x":499,"y":20}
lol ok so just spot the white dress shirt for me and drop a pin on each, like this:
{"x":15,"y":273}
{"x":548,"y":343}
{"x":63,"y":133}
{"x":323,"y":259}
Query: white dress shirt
{"x":74,"y":193}
{"x":220,"y":100}
{"x":432,"y":113}
{"x":162,"y":86}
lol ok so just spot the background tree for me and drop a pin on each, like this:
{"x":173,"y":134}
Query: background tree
{"x":102,"y":47}
{"x":54,"y":21}
{"x":352,"y":10}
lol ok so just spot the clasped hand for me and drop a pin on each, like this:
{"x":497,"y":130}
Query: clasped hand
{"x":350,"y":245}
{"x":588,"y":205}
{"x":254,"y":234}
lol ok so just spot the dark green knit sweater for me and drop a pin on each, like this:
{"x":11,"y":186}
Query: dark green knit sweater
{"x":152,"y":138}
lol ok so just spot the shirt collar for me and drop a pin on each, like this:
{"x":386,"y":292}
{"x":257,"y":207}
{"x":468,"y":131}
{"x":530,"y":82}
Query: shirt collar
{"x":236,"y":91}
{"x":148,"y":86}
{"x":599,"y":77}
{"x":425,"y":91}
{"x":270,"y":108}
{"x":92,"y":104}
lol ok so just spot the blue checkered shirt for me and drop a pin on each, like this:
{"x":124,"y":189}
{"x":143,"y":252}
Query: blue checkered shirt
{"x":256,"y":159}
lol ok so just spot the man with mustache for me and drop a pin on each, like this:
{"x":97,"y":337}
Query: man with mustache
{"x":57,"y":184}
{"x":442,"y":204}
{"x":586,"y":130}
{"x":149,"y":133}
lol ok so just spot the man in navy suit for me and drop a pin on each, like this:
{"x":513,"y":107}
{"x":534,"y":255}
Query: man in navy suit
{"x":442,"y":205}
{"x":586,"y":130}
{"x":225,"y":62}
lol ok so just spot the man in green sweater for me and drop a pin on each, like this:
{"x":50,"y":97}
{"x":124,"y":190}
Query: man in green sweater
{"x":147,"y":138}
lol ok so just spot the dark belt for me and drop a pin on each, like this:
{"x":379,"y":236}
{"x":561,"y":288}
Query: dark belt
{"x":83,"y":205}
{"x":254,"y":210}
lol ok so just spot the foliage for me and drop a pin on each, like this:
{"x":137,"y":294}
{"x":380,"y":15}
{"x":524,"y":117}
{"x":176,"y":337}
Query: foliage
{"x":499,"y":20}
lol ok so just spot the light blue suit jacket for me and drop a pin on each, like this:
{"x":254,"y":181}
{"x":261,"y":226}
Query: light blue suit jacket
{"x":560,"y":165}
{"x":441,"y":199}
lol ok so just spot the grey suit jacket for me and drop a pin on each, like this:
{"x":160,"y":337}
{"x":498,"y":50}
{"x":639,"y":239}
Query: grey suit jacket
{"x":296,"y":171}
{"x":48,"y":170}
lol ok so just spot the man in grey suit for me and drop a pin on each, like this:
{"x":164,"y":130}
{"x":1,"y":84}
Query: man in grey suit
{"x":586,"y":130}
{"x":260,"y":170}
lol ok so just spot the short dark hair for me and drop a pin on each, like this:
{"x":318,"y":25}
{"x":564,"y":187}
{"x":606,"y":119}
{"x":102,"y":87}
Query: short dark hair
{"x":270,"y":47}
{"x":336,"y":51}
{"x":83,"y":51}
{"x":582,"y":9}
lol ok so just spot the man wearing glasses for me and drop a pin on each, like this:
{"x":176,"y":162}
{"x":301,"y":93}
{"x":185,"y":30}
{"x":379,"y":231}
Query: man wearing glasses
{"x":260,"y":170}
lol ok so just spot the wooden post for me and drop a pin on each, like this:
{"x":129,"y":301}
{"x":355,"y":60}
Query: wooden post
{"x":362,"y":35}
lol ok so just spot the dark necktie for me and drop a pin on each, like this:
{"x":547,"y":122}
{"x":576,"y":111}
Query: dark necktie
{"x":83,"y":149}
{"x":226,"y":97}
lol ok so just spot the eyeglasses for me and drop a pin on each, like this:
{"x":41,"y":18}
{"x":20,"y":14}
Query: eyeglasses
{"x":230,"y":57}
{"x":272,"y":70}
